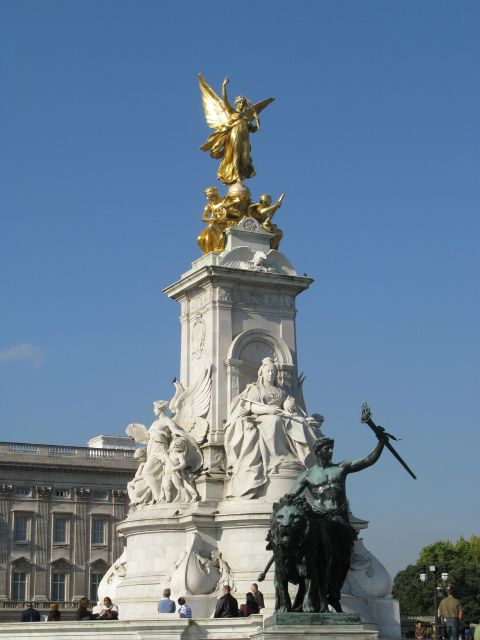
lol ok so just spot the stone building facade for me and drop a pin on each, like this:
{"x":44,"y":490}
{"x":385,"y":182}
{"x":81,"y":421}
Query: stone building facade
{"x":59,"y":506}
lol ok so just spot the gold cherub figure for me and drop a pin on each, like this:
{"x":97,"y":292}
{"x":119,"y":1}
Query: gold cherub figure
{"x":220,"y":213}
{"x":231,"y":139}
{"x":263,"y":212}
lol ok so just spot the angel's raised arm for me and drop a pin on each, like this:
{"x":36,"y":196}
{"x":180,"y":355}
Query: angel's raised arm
{"x":224,"y":94}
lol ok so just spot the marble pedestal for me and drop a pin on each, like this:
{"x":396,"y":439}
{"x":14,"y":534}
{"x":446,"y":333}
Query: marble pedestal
{"x":162,"y":542}
{"x":296,"y":626}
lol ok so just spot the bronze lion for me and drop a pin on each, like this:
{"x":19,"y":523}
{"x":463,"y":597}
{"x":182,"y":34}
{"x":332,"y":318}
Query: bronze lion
{"x":311,"y":550}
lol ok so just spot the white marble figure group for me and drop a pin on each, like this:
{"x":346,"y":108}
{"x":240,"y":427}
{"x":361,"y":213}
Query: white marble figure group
{"x":266,"y":429}
{"x":167,"y":464}
{"x":172,"y":457}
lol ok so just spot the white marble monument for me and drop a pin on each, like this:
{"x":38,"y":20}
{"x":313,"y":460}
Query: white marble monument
{"x":236,"y":433}
{"x":230,"y":442}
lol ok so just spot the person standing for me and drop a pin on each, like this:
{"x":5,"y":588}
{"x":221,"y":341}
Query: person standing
{"x":166,"y":605}
{"x":184,"y":611}
{"x":227,"y":605}
{"x":258,"y":595}
{"x":29,"y":614}
{"x":451,"y":610}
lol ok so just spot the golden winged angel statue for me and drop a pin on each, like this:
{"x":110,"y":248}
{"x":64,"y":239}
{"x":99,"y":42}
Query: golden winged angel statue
{"x":231,"y":139}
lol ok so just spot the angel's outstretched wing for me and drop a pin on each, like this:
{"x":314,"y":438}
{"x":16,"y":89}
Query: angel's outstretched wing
{"x":238,"y":258}
{"x":260,"y":106}
{"x":216,"y":111}
{"x":279,"y":263}
{"x":193,"y":404}
{"x":138,"y":432}
{"x":178,"y":392}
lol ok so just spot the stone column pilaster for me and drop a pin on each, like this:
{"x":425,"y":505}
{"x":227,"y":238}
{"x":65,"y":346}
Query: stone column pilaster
{"x":5,"y":494}
{"x":79,"y":586}
{"x":40,"y":540}
{"x":120,"y":500}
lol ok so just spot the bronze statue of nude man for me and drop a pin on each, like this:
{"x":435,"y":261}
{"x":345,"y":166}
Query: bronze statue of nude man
{"x":326,"y":480}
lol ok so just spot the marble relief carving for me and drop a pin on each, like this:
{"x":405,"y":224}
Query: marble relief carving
{"x":271,"y":261}
{"x":274,"y":300}
{"x":224,"y":295}
{"x":198,"y":336}
{"x":198,"y":570}
{"x":200,"y":300}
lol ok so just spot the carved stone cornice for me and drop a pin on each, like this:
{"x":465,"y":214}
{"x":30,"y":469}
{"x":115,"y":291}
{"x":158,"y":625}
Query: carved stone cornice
{"x":6,"y":490}
{"x":22,"y":564}
{"x":81,"y":494}
{"x":43,"y":493}
{"x":223,"y":294}
{"x":61,"y":564}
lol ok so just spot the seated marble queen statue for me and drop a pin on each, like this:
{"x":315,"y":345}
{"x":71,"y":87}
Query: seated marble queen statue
{"x":265,"y":429}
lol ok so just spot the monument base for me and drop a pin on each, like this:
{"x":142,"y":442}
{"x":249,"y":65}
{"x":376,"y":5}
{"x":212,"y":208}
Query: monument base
{"x":163,"y":627}
{"x":169,"y":627}
{"x":297,"y":626}
{"x":293,"y":619}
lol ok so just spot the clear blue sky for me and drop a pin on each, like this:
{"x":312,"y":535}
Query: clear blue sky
{"x":374,"y":137}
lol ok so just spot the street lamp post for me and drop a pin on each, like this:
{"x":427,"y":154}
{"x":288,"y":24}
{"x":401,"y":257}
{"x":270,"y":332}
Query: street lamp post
{"x":423,"y":577}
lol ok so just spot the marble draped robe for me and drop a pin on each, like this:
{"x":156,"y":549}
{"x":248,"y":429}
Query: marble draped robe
{"x":256,"y":443}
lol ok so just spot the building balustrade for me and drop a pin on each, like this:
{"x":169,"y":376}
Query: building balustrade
{"x":63,"y":451}
{"x":20,"y":604}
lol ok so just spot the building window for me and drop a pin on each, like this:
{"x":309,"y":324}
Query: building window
{"x":22,"y":491}
{"x":19,"y":585}
{"x":100,"y":495}
{"x":95,"y":579}
{"x":62,"y":493}
{"x":58,"y":587}
{"x":60,"y":530}
{"x":20,"y":530}
{"x":99,"y":526}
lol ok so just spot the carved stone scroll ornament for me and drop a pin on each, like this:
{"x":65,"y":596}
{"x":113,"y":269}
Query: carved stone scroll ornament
{"x":113,"y":578}
{"x":224,"y":295}
{"x":199,"y":570}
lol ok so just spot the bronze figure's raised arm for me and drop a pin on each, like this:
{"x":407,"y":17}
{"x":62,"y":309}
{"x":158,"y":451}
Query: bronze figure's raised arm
{"x":230,"y":141}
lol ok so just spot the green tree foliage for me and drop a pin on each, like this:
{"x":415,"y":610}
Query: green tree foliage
{"x":462,"y":561}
